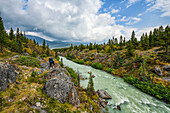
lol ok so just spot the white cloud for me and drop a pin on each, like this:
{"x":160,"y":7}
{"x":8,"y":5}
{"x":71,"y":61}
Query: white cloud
{"x":66,"y":20}
{"x":115,"y":10}
{"x":130,"y":20}
{"x":140,"y":14}
{"x":131,"y":2}
{"x":162,"y":5}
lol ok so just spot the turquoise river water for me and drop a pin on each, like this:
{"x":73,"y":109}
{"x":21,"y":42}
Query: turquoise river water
{"x":130,"y":99}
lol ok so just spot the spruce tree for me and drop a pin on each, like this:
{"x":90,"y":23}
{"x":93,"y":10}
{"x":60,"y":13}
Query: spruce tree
{"x":124,"y":42}
{"x":90,"y":46}
{"x":11,"y":34}
{"x":17,"y":36}
{"x":120,"y":43}
{"x":167,"y":39}
{"x":146,"y":42}
{"x":20,"y":47}
{"x":116,"y":42}
{"x":2,"y":35}
{"x":151,"y":43}
{"x":133,"y":39}
{"x":90,"y":87}
{"x":48,"y":50}
{"x":44,"y":45}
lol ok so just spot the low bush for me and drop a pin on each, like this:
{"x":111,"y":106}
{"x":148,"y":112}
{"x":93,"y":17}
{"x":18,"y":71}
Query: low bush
{"x":73,"y":75}
{"x":29,"y":61}
{"x":79,"y":61}
{"x":156,"y":90}
{"x":97,"y":65}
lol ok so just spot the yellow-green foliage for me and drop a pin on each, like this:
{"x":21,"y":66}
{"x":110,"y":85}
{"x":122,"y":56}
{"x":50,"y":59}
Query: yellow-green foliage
{"x":107,"y":49}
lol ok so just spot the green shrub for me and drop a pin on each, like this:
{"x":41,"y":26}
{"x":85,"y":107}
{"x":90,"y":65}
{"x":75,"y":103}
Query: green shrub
{"x":109,"y":70}
{"x":33,"y":74}
{"x":156,"y":90}
{"x":73,"y":75}
{"x":43,"y":56}
{"x":34,"y":54}
{"x":79,"y":61}
{"x":97,"y":65}
{"x":29,"y":61}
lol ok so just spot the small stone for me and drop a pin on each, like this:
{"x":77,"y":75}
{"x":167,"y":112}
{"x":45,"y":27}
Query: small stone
{"x":39,"y":72}
{"x":38,"y":104}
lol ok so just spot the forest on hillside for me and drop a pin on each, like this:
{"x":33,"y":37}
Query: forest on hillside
{"x":143,"y":63}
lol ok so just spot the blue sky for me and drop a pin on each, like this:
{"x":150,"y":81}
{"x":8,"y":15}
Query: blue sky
{"x":84,"y":20}
{"x":136,"y":9}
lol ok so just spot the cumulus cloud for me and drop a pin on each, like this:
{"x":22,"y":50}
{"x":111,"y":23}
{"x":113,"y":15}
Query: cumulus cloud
{"x":115,"y":10}
{"x":64,"y":20}
{"x":162,"y":5}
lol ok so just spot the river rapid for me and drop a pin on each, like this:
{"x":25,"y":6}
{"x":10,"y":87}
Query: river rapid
{"x":130,"y":99}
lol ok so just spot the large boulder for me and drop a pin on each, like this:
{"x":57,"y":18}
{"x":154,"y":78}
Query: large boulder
{"x":7,"y":74}
{"x":103,"y":94}
{"x":60,"y":87}
{"x":166,"y":68}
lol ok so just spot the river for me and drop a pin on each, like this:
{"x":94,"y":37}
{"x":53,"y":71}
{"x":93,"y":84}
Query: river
{"x":130,"y":99}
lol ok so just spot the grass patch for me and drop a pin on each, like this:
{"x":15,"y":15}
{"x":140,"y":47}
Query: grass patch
{"x":28,"y":61}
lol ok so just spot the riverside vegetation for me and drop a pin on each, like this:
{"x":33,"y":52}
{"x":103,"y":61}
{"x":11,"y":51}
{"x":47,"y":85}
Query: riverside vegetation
{"x":144,"y":63}
{"x":29,"y":62}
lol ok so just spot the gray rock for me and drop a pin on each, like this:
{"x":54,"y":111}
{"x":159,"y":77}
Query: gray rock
{"x":158,"y":71}
{"x":7,"y":74}
{"x":45,"y":65}
{"x":60,"y":87}
{"x":3,"y":79}
{"x":39,"y":108}
{"x":103,"y":102}
{"x":39,"y":72}
{"x":26,"y":54}
{"x":103,"y":94}
{"x":25,"y":67}
{"x":166,"y":78}
{"x":16,"y":56}
{"x":166,"y":68}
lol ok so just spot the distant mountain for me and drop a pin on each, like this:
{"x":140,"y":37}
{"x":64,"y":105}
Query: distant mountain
{"x":52,"y":44}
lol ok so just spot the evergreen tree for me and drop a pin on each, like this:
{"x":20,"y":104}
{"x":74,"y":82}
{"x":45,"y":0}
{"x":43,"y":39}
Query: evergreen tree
{"x":44,"y":45}
{"x":146,"y":42}
{"x":120,"y":43}
{"x":90,"y":87}
{"x":167,"y":39}
{"x":130,"y":49}
{"x":87,"y":46}
{"x":116,"y":42}
{"x":142,"y":40}
{"x":11,"y":34}
{"x":133,"y":37}
{"x":34,"y":42}
{"x":20,"y":47}
{"x":124,"y":42}
{"x":34,"y":54}
{"x":17,"y":35}
{"x":2,"y":35}
{"x":151,"y":43}
{"x":135,"y":43}
{"x":90,"y":46}
{"x":48,"y":50}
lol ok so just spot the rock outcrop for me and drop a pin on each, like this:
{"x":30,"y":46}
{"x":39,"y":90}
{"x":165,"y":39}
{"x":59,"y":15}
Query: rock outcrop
{"x":166,"y":68}
{"x":158,"y":71}
{"x":7,"y":75}
{"x":103,"y":94}
{"x":60,"y":87}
